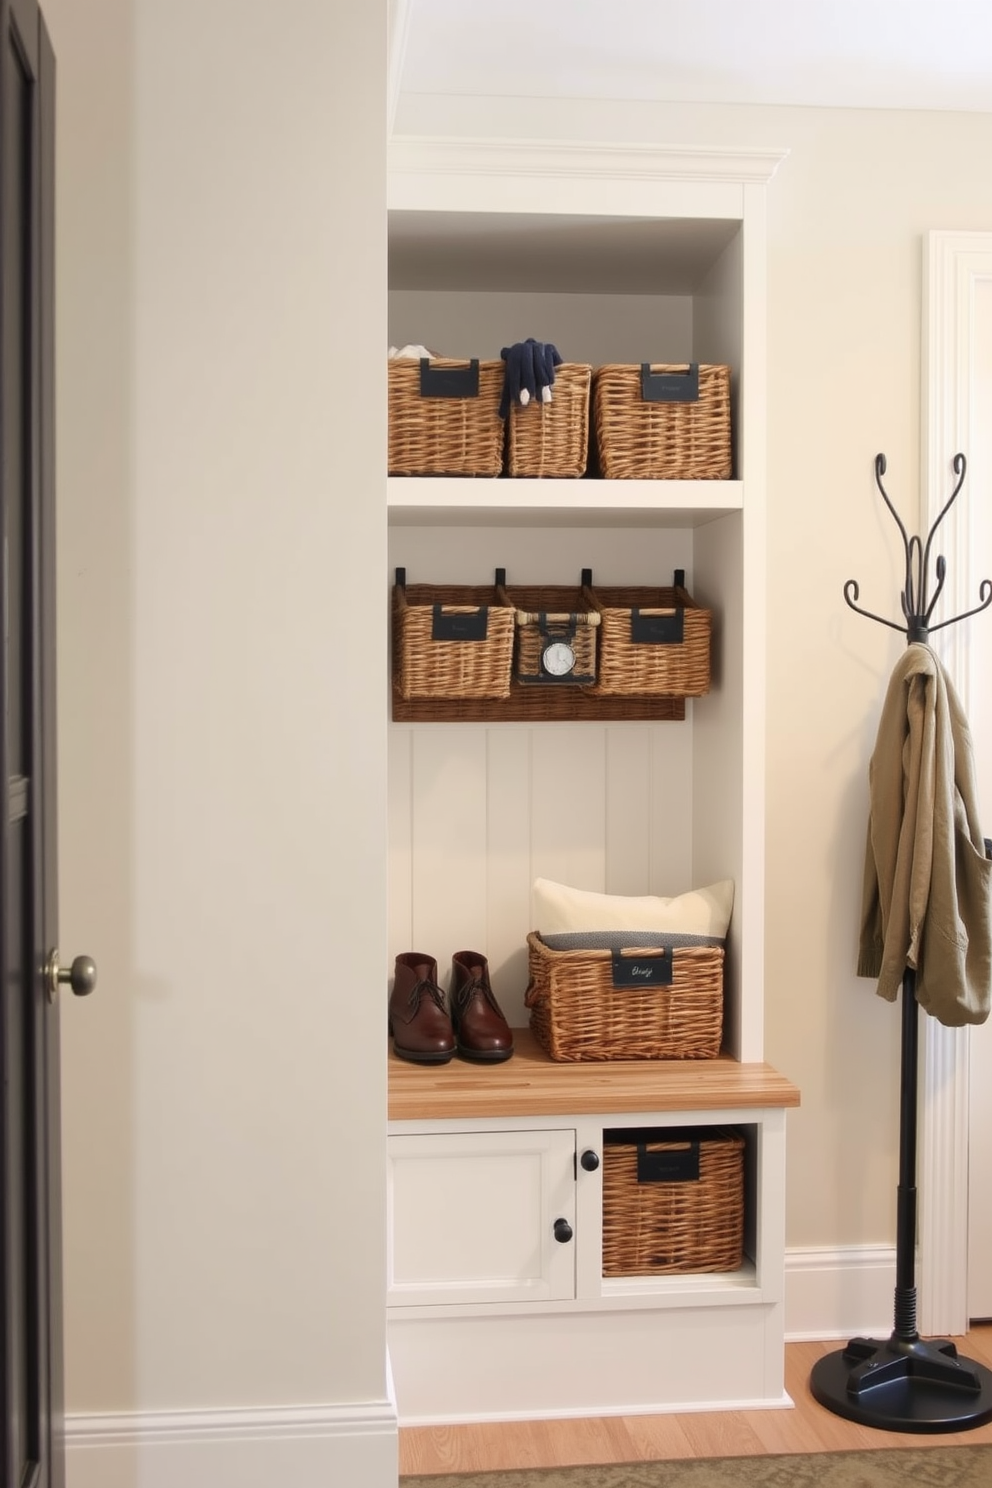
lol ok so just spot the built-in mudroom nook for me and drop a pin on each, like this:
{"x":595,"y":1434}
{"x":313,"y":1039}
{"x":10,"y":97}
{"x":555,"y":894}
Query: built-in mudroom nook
{"x":586,"y":1201}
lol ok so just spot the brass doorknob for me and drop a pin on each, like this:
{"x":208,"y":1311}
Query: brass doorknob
{"x":80,"y":976}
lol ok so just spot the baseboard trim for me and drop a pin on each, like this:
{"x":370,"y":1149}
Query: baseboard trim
{"x":598,"y":1412}
{"x":829,"y":1293}
{"x":842,"y":1292}
{"x":253,"y":1448}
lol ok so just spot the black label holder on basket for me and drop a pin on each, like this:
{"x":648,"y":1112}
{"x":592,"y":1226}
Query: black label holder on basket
{"x":646,"y":970}
{"x":665,"y":1154}
{"x":660,"y":629}
{"x":449,"y":382}
{"x":657,"y":630}
{"x":670,"y":387}
{"x":454,"y":627}
{"x":671,"y":1165}
{"x":448,"y":626}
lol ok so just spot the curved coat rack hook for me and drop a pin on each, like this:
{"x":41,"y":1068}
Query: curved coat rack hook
{"x":917,"y":606}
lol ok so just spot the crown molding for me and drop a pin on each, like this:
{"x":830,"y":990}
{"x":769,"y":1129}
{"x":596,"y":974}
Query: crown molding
{"x":449,"y":156}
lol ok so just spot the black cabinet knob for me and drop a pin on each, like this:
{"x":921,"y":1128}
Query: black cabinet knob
{"x":589,"y":1160}
{"x":563,"y":1231}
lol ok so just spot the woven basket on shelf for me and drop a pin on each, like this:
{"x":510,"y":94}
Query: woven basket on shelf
{"x":553,"y":612}
{"x":673,"y":1201}
{"x":451,"y":641}
{"x":444,"y":417}
{"x":552,"y":439}
{"x":662,"y":421}
{"x":653,"y":642}
{"x":578,"y":1012}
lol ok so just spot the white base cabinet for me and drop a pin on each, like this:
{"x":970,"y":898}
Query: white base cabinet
{"x":481,"y":1217}
{"x":498,"y":1306}
{"x":581,"y":1363}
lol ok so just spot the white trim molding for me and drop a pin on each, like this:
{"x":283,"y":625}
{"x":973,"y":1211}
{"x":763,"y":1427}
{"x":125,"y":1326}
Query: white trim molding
{"x":441,"y":155}
{"x":953,"y":263}
{"x":843,"y":1292}
{"x":308,"y":1446}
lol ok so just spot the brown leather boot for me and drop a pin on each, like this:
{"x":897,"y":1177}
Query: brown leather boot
{"x":418,"y":1019}
{"x":480,"y":1028}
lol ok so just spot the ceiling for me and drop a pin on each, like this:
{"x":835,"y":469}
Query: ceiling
{"x":916,"y":54}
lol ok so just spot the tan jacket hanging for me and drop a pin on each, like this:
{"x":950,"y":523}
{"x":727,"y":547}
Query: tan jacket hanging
{"x":927,"y":901}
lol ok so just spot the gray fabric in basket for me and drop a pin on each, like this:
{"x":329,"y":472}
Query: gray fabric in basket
{"x":623,"y":940}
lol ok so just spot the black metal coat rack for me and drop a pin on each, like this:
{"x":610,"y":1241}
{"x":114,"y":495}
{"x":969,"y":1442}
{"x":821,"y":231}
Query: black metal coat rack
{"x":904,"y":1383}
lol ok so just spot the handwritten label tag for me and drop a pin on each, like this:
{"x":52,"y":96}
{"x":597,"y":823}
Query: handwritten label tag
{"x":645,"y":971}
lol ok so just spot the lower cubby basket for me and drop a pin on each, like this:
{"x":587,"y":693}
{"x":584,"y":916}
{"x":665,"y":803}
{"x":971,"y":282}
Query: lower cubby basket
{"x":673,"y":1201}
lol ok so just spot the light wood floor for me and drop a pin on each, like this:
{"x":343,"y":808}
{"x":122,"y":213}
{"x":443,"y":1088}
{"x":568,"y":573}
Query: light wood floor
{"x":807,"y":1428}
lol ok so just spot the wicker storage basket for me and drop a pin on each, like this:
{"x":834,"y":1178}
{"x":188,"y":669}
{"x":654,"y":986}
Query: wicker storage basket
{"x":673,"y":1201}
{"x":451,"y":641}
{"x":653,"y":642}
{"x":552,"y":439}
{"x":444,"y":417}
{"x":554,"y":613}
{"x":662,"y":421}
{"x":653,"y":1003}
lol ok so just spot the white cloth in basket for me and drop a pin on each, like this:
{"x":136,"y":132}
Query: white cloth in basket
{"x":560,"y":910}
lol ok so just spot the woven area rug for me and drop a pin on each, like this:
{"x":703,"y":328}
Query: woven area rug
{"x":927,"y":1467}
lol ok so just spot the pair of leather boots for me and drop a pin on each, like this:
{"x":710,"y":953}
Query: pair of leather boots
{"x":426,"y":1031}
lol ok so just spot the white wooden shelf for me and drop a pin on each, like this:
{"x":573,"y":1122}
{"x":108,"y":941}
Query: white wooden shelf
{"x":451,"y":501}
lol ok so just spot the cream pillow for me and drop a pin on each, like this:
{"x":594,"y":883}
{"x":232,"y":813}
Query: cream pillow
{"x":560,"y":910}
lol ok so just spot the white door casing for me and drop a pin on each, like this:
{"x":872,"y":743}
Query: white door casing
{"x":956,"y":1109}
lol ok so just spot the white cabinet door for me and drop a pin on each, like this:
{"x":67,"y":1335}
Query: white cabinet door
{"x":473,"y":1217}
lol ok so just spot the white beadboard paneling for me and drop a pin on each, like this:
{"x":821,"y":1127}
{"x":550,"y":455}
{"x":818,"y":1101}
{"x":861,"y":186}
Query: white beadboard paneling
{"x":568,"y":797}
{"x":627,"y":814}
{"x":479,"y":811}
{"x":449,"y":841}
{"x":670,"y":773}
{"x":476,"y":813}
{"x":509,"y":787}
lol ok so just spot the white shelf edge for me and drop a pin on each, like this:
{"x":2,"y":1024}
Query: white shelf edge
{"x":454,"y":501}
{"x":688,"y":1284}
{"x":730,"y":1290}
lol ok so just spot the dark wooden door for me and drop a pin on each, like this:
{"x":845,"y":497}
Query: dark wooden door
{"x":31,"y":1363}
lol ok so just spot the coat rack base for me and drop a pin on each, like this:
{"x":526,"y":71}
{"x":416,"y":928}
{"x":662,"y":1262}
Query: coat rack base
{"x":900,"y":1384}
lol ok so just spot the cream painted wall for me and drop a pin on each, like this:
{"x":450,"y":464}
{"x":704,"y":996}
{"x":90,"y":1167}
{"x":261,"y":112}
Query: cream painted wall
{"x":846,"y":214}
{"x":221,"y":433}
{"x":221,"y":761}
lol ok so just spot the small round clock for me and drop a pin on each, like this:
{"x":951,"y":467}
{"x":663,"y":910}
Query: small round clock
{"x":558,"y":658}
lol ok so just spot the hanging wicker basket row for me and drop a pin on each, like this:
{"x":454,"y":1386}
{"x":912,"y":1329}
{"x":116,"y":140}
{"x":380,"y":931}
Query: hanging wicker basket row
{"x":470,"y":641}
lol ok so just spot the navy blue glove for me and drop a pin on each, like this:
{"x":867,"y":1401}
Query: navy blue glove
{"x":530,"y":373}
